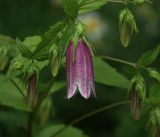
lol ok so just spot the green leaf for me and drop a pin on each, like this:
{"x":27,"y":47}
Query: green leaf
{"x":9,"y":44}
{"x":50,"y":37}
{"x":71,"y":7}
{"x":89,"y":5}
{"x":9,"y":95}
{"x":32,"y":42}
{"x":108,"y":75}
{"x":153,"y":73}
{"x":68,"y":132}
{"x":7,"y":41}
{"x":25,"y":52}
{"x":149,"y":57}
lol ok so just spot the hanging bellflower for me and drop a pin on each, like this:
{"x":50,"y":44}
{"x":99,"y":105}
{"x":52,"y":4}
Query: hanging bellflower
{"x":80,"y":74}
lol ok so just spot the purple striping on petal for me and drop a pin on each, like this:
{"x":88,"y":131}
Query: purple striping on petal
{"x":70,"y":71}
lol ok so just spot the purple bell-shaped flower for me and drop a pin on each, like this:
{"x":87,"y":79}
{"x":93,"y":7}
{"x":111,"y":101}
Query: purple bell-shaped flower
{"x":80,"y":73}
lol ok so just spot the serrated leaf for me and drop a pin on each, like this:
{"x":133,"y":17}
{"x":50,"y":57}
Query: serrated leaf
{"x":89,"y":5}
{"x":25,"y":52}
{"x":32,"y":42}
{"x":9,"y":96}
{"x":71,"y":7}
{"x":149,"y":57}
{"x":68,"y":132}
{"x":48,"y":39}
{"x":108,"y":75}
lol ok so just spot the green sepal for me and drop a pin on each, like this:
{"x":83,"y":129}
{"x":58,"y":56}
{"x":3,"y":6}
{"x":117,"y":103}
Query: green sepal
{"x":25,"y":52}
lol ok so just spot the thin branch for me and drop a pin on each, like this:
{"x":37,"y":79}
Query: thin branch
{"x":135,"y":65}
{"x":90,"y":114}
{"x":19,"y":89}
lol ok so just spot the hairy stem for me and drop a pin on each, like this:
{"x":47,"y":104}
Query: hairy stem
{"x":90,"y":114}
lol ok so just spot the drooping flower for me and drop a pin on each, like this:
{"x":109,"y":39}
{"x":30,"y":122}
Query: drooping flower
{"x":80,"y":74}
{"x":137,"y":94}
{"x":31,"y":85}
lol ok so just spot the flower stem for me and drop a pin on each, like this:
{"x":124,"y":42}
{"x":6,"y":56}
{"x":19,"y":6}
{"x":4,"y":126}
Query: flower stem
{"x":18,"y":88}
{"x":90,"y":114}
{"x":135,"y":65}
{"x":33,"y":113}
{"x":30,"y":123}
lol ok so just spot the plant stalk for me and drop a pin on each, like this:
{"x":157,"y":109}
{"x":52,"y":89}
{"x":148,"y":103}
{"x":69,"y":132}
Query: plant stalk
{"x":85,"y":116}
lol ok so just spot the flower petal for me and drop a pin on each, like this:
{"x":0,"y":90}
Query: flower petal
{"x":70,"y":71}
{"x":82,"y":70}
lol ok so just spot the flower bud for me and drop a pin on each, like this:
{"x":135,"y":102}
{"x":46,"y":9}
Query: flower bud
{"x":80,"y":71}
{"x":32,"y":84}
{"x":154,"y":122}
{"x":137,"y":93}
{"x":135,"y":104}
{"x":127,"y":26}
{"x":55,"y":60}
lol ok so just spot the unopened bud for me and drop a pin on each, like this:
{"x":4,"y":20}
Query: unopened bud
{"x":154,"y":122}
{"x":55,"y":60}
{"x":32,"y":84}
{"x":137,"y":93}
{"x":127,"y":26}
{"x":135,"y":105}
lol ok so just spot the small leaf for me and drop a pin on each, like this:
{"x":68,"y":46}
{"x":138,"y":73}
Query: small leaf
{"x":108,"y":75}
{"x":68,"y":132}
{"x":89,"y":5}
{"x":149,"y":57}
{"x":23,"y":49}
{"x":32,"y":42}
{"x":71,"y":7}
{"x":154,"y":74}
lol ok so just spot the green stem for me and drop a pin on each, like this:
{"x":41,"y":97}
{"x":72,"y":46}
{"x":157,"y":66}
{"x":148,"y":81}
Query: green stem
{"x":32,"y":114}
{"x":135,"y":65}
{"x":19,"y":89}
{"x":90,"y":114}
{"x":30,"y":123}
{"x":45,"y":93}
